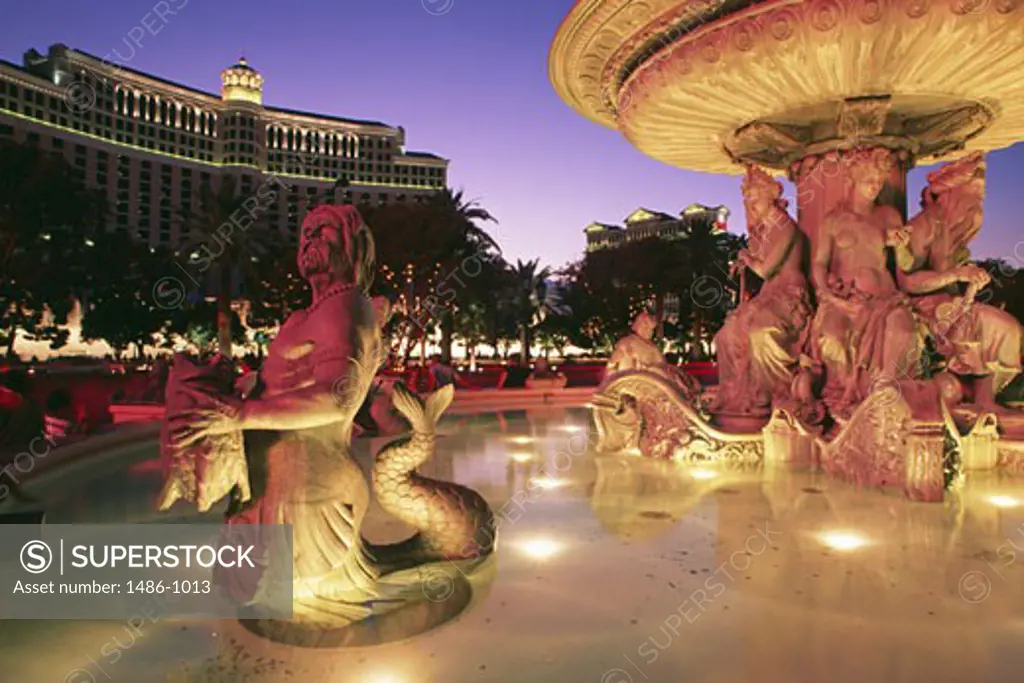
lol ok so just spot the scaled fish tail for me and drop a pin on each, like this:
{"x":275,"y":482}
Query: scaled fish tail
{"x":423,"y":415}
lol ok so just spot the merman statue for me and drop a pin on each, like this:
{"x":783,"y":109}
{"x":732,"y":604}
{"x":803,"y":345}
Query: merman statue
{"x":298,"y":432}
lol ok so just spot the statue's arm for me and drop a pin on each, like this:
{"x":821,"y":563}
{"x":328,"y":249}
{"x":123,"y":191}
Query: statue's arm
{"x":897,"y":236}
{"x":616,"y":361}
{"x":821,"y":259}
{"x":919,"y":277}
{"x":927,"y":281}
{"x":922,"y":233}
{"x":313,"y":406}
{"x":774,"y":248}
{"x":335,"y":386}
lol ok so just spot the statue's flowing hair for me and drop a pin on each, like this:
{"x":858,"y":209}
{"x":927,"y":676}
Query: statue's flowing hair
{"x":955,"y":198}
{"x":756,"y":179}
{"x":356,"y":259}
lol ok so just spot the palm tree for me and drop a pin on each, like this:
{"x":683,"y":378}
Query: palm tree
{"x":44,"y":210}
{"x":707,"y":253}
{"x":533,"y":298}
{"x":228,"y":239}
{"x":465,"y":238}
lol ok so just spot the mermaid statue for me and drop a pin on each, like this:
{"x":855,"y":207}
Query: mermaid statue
{"x":297,"y":429}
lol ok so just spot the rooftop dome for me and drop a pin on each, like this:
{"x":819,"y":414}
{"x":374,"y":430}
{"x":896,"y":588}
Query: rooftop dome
{"x":241,"y":82}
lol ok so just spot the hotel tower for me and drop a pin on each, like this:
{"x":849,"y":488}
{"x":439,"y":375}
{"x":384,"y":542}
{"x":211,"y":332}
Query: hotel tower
{"x":151,"y":144}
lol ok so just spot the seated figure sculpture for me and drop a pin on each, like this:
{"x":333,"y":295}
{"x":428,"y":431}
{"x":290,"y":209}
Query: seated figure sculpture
{"x":639,"y":388}
{"x":864,"y":332}
{"x":636,"y":351}
{"x":979,"y":342}
{"x":298,"y":431}
{"x":760,"y":344}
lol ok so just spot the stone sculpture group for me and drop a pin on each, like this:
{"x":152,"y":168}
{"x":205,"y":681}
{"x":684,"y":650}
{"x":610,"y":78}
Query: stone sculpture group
{"x":858,"y":312}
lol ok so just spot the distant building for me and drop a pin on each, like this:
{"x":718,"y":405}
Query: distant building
{"x":151,"y":144}
{"x":644,"y":223}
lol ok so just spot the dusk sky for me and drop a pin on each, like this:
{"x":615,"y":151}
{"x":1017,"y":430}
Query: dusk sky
{"x":468,"y":81}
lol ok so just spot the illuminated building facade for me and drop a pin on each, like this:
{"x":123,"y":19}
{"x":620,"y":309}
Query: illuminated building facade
{"x":644,"y":223}
{"x":151,"y":144}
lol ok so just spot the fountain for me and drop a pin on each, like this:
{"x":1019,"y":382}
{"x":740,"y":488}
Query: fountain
{"x":865,"y":354}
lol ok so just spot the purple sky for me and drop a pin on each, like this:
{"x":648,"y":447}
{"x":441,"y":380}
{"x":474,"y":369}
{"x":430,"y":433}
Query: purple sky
{"x":469,"y":84}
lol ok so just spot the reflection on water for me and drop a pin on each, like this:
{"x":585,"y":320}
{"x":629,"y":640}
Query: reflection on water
{"x":620,"y":567}
{"x":639,"y":498}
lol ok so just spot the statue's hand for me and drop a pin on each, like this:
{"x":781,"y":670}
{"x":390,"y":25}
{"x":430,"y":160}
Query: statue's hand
{"x":973,"y":275}
{"x":839,"y":302}
{"x":743,"y":260}
{"x":203,"y":424}
{"x":897,"y":237}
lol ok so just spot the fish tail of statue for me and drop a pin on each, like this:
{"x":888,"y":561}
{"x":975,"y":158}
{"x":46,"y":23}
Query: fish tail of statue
{"x":453,"y":522}
{"x":423,"y":415}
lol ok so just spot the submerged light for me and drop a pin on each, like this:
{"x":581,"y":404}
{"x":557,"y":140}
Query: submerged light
{"x":842,"y":540}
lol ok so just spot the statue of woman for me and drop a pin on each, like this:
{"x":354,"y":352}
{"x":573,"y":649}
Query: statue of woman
{"x":978,"y":340}
{"x":761,"y":340}
{"x":864,"y":331}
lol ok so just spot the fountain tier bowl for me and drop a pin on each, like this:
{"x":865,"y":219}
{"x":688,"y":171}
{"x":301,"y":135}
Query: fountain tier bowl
{"x":702,"y":85}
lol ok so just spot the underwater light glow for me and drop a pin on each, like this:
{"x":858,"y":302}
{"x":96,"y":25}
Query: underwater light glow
{"x":540,"y":548}
{"x":843,"y":540}
{"x":548,"y":482}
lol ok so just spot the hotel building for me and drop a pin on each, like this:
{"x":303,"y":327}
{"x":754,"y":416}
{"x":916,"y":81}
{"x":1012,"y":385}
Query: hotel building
{"x":644,"y":224}
{"x":151,"y":144}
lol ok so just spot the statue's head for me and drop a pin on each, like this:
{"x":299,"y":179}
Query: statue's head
{"x":761,"y":194}
{"x":965,"y":176}
{"x":869,"y":170}
{"x":958,"y":189}
{"x":334,"y":240}
{"x":644,"y":325}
